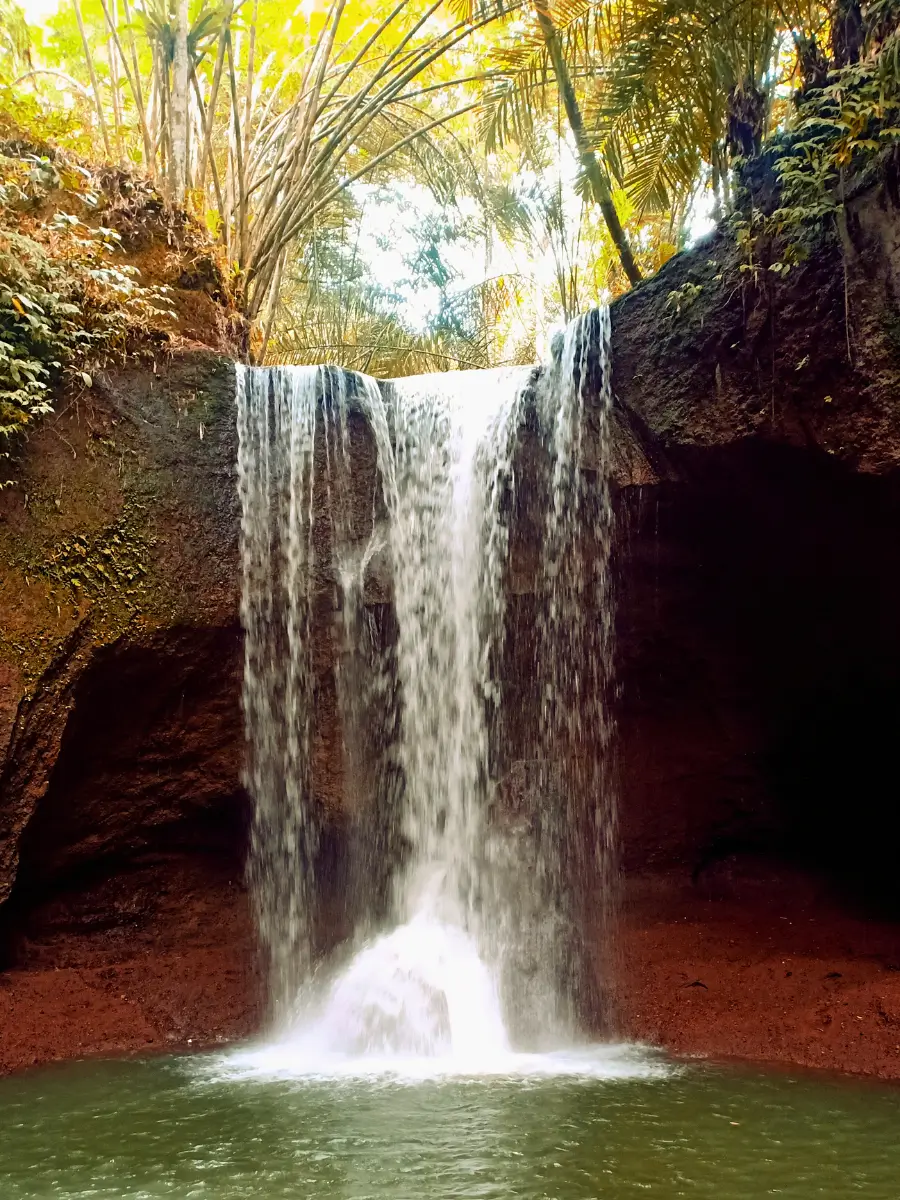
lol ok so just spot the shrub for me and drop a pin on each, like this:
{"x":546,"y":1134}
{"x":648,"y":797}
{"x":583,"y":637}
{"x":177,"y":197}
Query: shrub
{"x":69,"y":304}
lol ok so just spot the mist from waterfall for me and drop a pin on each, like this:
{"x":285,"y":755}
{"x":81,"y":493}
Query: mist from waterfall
{"x":477,"y":947}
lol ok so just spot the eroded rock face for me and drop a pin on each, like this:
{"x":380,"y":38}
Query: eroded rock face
{"x":150,"y":759}
{"x":715,"y":350}
{"x":758,"y":570}
{"x":122,"y":523}
{"x":123,"y":818}
{"x":757,"y":584}
{"x":124,"y":921}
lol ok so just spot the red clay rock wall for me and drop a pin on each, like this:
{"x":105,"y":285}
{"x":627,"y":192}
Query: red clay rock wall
{"x":123,"y":819}
{"x":758,"y":657}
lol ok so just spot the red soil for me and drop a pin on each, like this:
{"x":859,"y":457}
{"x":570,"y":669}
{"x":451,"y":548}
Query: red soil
{"x":176,"y":970}
{"x":778,"y":976}
{"x":761,"y":969}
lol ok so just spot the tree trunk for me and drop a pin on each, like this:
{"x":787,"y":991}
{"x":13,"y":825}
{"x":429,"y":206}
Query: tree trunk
{"x":813,"y":65}
{"x":179,"y":111}
{"x":848,"y":33}
{"x":746,"y":124}
{"x":600,"y":186}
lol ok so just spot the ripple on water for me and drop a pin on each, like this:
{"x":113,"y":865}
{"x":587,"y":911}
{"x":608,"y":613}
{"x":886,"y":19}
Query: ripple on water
{"x":577,"y":1125}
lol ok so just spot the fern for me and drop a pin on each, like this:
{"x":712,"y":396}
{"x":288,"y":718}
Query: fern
{"x":66,"y":305}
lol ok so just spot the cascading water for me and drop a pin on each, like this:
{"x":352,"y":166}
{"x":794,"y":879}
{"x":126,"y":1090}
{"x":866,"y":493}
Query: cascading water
{"x":276,"y":430}
{"x":277,"y":422}
{"x":578,"y":831}
{"x":427,"y":987}
{"x":476,"y":948}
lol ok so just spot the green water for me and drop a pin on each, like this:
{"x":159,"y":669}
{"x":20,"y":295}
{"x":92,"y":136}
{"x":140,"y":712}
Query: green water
{"x":176,"y":1128}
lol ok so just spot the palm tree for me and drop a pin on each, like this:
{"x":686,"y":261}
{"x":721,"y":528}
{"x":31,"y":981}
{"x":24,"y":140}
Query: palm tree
{"x":268,"y":138}
{"x":655,"y":91}
{"x":596,"y":176}
{"x":553,"y":50}
{"x":690,"y":84}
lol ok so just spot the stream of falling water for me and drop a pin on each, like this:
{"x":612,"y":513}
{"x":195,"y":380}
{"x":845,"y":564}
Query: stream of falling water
{"x":478,"y":952}
{"x":276,"y":432}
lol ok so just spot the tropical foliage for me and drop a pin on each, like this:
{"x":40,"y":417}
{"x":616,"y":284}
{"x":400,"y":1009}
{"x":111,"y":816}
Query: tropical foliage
{"x":535,"y":158}
{"x":267,"y":122}
{"x":69,"y":303}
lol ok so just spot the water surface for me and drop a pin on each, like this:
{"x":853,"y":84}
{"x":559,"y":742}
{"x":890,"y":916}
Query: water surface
{"x":221,"y":1129}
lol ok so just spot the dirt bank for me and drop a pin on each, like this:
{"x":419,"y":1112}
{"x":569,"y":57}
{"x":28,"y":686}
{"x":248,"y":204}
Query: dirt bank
{"x":772,"y":972}
{"x":161,"y":957}
{"x":752,"y":963}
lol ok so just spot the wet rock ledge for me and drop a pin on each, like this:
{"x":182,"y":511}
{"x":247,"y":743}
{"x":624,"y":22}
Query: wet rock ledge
{"x":756,"y":453}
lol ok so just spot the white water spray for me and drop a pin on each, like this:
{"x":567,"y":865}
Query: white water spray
{"x":461,"y":965}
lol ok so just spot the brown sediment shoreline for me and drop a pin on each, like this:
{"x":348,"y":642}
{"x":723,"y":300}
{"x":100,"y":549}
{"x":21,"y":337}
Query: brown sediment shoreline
{"x":779,"y":979}
{"x":717,"y":977}
{"x":158,"y":960}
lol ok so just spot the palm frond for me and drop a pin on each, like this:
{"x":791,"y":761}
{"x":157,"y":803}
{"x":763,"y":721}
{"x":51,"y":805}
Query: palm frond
{"x":519,"y":77}
{"x":521,"y":71}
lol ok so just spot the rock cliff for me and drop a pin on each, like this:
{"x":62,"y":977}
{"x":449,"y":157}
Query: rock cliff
{"x":757,"y":444}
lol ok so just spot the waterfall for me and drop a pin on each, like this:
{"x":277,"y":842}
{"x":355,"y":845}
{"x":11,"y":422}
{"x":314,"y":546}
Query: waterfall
{"x":276,"y":439}
{"x":575,"y":778}
{"x":425,"y":987}
{"x":477,"y":944}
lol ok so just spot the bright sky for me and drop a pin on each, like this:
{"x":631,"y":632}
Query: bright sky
{"x":388,"y":243}
{"x":37,"y":11}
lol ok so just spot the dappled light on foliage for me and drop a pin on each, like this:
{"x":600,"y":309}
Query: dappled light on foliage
{"x":70,"y":302}
{"x":428,"y":187}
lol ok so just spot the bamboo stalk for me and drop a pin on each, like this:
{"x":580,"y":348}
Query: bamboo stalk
{"x":382,"y":28}
{"x":113,"y":57}
{"x":217,"y":187}
{"x":238,"y":155}
{"x":395,"y":54}
{"x":335,"y":191}
{"x":322,"y":58}
{"x":303,"y":107}
{"x":353,"y":128}
{"x":248,"y":82}
{"x":178,"y":124}
{"x":206,"y":149}
{"x":93,"y":77}
{"x":267,"y":133}
{"x":160,"y":113}
{"x":273,"y":306}
{"x":133,"y":76}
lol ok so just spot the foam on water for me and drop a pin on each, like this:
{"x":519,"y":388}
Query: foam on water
{"x":302,"y":1059}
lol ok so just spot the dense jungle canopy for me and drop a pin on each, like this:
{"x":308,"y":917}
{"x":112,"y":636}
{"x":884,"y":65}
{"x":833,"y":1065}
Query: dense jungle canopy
{"x":420,"y":187}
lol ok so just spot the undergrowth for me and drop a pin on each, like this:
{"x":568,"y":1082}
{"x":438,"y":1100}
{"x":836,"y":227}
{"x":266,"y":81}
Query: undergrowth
{"x":843,"y":132}
{"x":70,"y":303}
